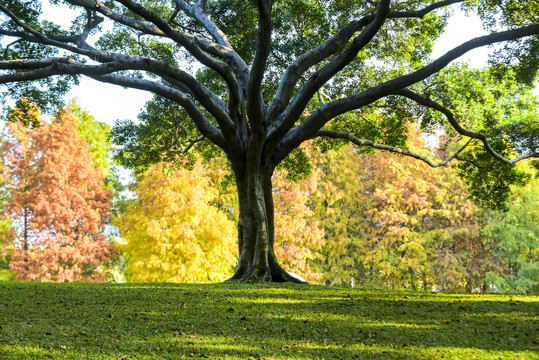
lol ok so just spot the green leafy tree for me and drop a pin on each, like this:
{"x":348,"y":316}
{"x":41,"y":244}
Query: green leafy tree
{"x":270,"y":76}
{"x":7,"y":232}
{"x":514,"y":236}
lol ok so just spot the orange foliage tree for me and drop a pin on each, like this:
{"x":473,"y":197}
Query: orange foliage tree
{"x":298,"y":236}
{"x":58,"y":201}
{"x":397,"y":223}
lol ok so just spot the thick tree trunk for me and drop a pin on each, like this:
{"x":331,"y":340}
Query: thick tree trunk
{"x":256,"y":232}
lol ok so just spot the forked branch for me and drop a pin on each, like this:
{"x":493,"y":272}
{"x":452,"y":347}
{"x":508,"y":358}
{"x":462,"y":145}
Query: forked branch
{"x":297,"y":68}
{"x":332,"y":109}
{"x":225,"y":48}
{"x":454,"y":123}
{"x":294,"y":109}
{"x":364,"y":142}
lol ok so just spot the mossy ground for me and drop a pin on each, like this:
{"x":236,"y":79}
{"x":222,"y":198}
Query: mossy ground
{"x":241,"y":321}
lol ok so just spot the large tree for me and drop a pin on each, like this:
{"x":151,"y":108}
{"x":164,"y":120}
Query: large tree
{"x":258,"y":78}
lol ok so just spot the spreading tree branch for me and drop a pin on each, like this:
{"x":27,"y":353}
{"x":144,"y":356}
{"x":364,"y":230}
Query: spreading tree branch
{"x":159,"y":27}
{"x":454,"y":123}
{"x":226,"y":51}
{"x":199,"y":13}
{"x":116,"y":62}
{"x":201,"y":122}
{"x":320,"y":117}
{"x":181,"y":39}
{"x":421,"y":13}
{"x":294,"y":109}
{"x":136,"y":24}
{"x":363,"y":142}
{"x":305,"y":61}
{"x":66,"y":66}
{"x":220,"y":67}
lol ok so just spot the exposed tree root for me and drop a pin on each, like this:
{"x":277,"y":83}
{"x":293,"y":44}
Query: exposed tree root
{"x":268,"y":274}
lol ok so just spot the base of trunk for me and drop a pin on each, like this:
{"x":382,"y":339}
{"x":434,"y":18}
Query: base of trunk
{"x":266,"y":274}
{"x":256,"y":233}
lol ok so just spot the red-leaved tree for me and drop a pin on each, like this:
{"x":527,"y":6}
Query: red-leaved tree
{"x":58,"y":200}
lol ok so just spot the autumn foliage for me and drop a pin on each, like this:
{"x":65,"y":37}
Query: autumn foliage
{"x":58,"y":202}
{"x":298,"y":235}
{"x":394,"y":222}
{"x":374,"y":220}
{"x":364,"y":219}
{"x":174,"y":232}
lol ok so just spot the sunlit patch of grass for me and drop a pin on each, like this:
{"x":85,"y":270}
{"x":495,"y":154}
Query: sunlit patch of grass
{"x":240,"y":321}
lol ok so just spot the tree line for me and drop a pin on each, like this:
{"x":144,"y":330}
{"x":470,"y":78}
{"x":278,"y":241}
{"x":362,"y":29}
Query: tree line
{"x":355,"y":218}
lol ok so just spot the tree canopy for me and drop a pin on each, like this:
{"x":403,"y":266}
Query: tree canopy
{"x":255,"y":80}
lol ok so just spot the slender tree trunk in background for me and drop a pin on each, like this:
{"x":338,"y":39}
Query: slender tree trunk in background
{"x":413,"y":280}
{"x":256,"y":233}
{"x":425,"y":283}
{"x":25,"y":232}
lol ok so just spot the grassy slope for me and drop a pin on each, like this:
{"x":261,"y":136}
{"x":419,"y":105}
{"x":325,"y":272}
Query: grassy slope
{"x":233,"y":321}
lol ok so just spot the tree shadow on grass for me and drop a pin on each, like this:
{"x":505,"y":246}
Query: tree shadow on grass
{"x":168,"y":321}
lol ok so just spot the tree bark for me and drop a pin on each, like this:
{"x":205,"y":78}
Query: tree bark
{"x":256,"y":232}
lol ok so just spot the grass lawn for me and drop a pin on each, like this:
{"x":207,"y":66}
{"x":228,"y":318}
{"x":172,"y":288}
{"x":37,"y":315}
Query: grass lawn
{"x":239,"y":321}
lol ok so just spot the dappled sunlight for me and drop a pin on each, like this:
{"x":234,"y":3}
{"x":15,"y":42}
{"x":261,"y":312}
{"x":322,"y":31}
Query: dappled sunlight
{"x":262,"y":301}
{"x":238,"y":321}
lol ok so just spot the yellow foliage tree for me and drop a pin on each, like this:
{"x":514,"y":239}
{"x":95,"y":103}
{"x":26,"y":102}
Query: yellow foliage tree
{"x":174,"y":232}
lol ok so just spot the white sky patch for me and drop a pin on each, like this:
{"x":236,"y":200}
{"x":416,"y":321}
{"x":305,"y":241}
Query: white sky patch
{"x":460,"y":29}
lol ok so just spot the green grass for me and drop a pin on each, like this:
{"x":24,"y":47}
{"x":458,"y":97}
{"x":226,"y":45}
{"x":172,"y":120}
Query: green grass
{"x":238,"y":321}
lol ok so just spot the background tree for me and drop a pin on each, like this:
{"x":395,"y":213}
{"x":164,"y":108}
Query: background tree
{"x":58,"y":201}
{"x":173,"y":232}
{"x":340,"y":204}
{"x":7,"y":233}
{"x":398,"y":223}
{"x":260,"y":67}
{"x":457,"y":256}
{"x":298,"y":235}
{"x":401,"y":190}
{"x":513,"y":237}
